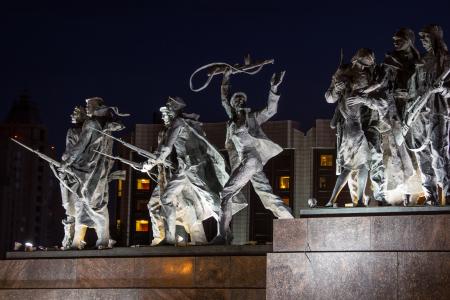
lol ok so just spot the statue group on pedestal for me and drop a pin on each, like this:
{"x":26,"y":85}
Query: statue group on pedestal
{"x":391,"y":120}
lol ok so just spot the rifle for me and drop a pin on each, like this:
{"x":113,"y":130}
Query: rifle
{"x":44,"y":157}
{"x":134,"y":165}
{"x":138,"y":150}
{"x":413,"y":110}
{"x":53,"y":164}
{"x":217,"y":68}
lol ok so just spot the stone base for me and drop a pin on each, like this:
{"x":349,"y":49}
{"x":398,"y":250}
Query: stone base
{"x":361,"y":257}
{"x":182,"y":277}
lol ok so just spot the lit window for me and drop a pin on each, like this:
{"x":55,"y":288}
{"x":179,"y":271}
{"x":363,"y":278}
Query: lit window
{"x":143,"y":184}
{"x":119,"y":188}
{"x":285,"y":200}
{"x":322,"y":183}
{"x":284,"y":182}
{"x":326,"y":160}
{"x":141,"y":225}
{"x":118,"y":224}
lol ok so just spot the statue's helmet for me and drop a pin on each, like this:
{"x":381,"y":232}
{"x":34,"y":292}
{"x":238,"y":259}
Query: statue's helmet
{"x":364,"y":56}
{"x":174,"y":105}
{"x":406,"y":34}
{"x":99,"y":100}
{"x":436,"y":37}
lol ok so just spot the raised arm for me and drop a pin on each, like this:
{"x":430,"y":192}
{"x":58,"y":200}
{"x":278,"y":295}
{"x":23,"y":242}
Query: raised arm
{"x":336,"y":89}
{"x":225,"y":93}
{"x":270,"y":110}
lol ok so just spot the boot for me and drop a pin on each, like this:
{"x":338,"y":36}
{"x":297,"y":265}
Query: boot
{"x":69,"y":232}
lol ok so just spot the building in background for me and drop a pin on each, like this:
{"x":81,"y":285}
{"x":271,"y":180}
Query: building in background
{"x":30,"y":205}
{"x":305,"y":169}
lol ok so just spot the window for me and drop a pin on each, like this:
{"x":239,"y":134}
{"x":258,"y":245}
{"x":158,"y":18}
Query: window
{"x":118,"y":224}
{"x":326,"y":160}
{"x":322,"y":183}
{"x":285,"y":200}
{"x":141,"y":204}
{"x":141,"y":225}
{"x":119,"y":188}
{"x":143,"y":184}
{"x":284,"y":182}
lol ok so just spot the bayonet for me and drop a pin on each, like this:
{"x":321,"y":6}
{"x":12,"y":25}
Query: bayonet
{"x":135,"y":165}
{"x":44,"y":157}
{"x":138,"y":150}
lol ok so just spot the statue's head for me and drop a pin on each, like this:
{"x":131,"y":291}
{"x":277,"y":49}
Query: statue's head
{"x":172,"y":109}
{"x":78,"y":115}
{"x":403,"y":39}
{"x":432,"y":38}
{"x":238,"y":100}
{"x":364,"y":58}
{"x":92,"y":104}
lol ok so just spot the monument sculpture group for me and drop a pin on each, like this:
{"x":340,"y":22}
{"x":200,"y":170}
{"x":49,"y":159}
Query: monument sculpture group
{"x":392,"y":128}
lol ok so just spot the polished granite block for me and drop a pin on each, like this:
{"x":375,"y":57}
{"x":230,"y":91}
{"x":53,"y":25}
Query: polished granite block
{"x":164,"y":272}
{"x":248,"y":272}
{"x":104,"y":272}
{"x":37,"y":294}
{"x":424,"y":275}
{"x":332,"y":275}
{"x":212,"y":271}
{"x":286,"y":239}
{"x":41,"y":273}
{"x":338,"y":234}
{"x":366,"y":233}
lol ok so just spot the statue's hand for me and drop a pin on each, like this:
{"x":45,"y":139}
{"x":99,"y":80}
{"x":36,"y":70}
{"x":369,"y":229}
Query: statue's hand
{"x":339,"y":86}
{"x":147,"y":166}
{"x":276,"y":80}
{"x":351,"y":101}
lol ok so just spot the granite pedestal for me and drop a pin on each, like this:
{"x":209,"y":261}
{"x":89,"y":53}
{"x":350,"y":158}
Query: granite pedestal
{"x":361,"y":253}
{"x":200,"y":272}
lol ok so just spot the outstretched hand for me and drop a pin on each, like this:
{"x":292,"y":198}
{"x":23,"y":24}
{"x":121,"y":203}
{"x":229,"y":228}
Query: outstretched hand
{"x":276,"y":80}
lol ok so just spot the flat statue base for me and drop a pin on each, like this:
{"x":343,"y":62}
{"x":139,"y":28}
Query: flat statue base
{"x":361,"y":253}
{"x":193,"y":272}
{"x":373,"y":211}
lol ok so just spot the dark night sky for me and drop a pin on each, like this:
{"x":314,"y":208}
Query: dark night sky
{"x":136,"y":54}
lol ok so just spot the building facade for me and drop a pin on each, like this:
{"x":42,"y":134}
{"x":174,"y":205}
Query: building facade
{"x":29,"y":194}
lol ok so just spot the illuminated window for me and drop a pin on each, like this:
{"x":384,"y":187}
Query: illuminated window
{"x":143,"y":184}
{"x":285,"y":200}
{"x":141,"y":225}
{"x":118,"y":224}
{"x":322,"y":183}
{"x":284,"y":182}
{"x":119,"y":188}
{"x":326,"y":160}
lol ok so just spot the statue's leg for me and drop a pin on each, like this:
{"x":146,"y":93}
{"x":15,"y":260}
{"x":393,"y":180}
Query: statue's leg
{"x":340,"y":183}
{"x":154,"y":210}
{"x":439,"y":151}
{"x":377,"y":170}
{"x":101,"y":220}
{"x":352,"y":183}
{"x":80,"y":233}
{"x":270,"y":201}
{"x":239,"y":177}
{"x":362,"y":181}
{"x":173,"y":189}
{"x":427,"y":174}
